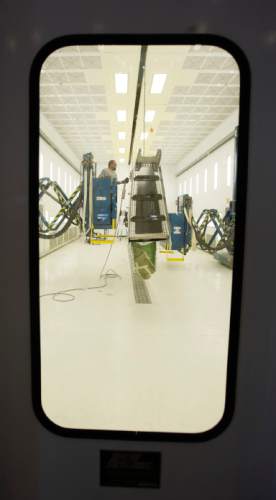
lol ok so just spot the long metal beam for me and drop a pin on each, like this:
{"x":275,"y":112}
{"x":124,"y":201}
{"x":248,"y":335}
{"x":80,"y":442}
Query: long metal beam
{"x":142,"y":65}
{"x":216,"y":146}
{"x":140,"y":289}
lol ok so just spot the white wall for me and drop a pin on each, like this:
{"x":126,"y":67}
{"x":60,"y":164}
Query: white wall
{"x":170,"y":184}
{"x":52,"y":165}
{"x":46,"y":127}
{"x":225,"y":128}
{"x":210,"y":181}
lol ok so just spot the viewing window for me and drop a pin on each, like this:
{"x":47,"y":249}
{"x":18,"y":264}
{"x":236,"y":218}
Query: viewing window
{"x":135,"y":262}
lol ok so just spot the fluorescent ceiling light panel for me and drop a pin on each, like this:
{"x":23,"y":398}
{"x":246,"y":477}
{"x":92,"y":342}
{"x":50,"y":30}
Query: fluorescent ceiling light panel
{"x":122,"y":150}
{"x":149,"y":116}
{"x":144,"y":135}
{"x":121,"y":115}
{"x":121,"y":135}
{"x":121,"y":80}
{"x":158,"y":83}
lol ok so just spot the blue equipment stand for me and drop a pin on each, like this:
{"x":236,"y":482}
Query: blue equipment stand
{"x":180,"y":233}
{"x":104,"y":203}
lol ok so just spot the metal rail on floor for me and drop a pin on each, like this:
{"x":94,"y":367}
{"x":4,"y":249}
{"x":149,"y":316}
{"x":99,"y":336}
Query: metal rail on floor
{"x":140,"y":289}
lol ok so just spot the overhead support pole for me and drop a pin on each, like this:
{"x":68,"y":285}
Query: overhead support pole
{"x":142,"y":65}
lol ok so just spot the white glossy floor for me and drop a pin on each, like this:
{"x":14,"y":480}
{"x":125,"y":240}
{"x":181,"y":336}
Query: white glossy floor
{"x":108,"y":363}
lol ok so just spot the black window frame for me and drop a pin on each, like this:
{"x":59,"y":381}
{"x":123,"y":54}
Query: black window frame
{"x":236,"y":295}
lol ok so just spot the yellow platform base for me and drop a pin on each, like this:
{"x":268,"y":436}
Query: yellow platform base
{"x":172,"y":255}
{"x":102,"y":241}
{"x":175,"y":259}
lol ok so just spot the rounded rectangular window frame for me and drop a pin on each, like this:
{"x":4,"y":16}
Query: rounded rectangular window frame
{"x":231,"y":379}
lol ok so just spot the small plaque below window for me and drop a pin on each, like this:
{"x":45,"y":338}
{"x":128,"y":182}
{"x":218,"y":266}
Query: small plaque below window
{"x":135,"y":469}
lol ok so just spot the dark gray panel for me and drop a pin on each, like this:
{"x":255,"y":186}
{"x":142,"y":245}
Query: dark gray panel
{"x":239,"y":464}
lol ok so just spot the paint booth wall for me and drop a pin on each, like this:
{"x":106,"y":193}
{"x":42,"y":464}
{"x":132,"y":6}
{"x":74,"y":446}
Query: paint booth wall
{"x":210,"y":182}
{"x":52,"y":165}
{"x":170,"y":184}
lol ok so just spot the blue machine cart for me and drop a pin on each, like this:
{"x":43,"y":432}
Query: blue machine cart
{"x":180,"y":233}
{"x":104,"y":203}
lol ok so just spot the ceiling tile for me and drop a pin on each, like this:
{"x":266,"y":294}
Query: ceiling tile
{"x":91,"y":62}
{"x":77,"y":93}
{"x":193,"y":62}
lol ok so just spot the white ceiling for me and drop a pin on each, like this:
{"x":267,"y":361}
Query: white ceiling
{"x":77,"y":95}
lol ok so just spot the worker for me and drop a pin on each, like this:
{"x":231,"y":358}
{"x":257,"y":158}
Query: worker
{"x":110,"y":172}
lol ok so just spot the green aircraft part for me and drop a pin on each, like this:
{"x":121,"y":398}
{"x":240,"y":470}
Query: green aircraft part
{"x":144,"y":255}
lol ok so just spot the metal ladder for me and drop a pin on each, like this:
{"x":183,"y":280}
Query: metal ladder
{"x":148,"y":215}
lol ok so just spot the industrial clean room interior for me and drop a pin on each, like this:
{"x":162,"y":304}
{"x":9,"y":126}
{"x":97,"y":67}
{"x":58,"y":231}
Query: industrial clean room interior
{"x":108,"y":360}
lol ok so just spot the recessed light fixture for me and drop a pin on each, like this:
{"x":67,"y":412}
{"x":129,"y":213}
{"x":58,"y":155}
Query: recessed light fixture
{"x":158,"y":83}
{"x":205,"y":180}
{"x":122,"y":150}
{"x":121,"y":135}
{"x":149,"y":116}
{"x":144,"y":136}
{"x":122,"y":160}
{"x":216,"y":175}
{"x":121,"y":80}
{"x":121,"y":115}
